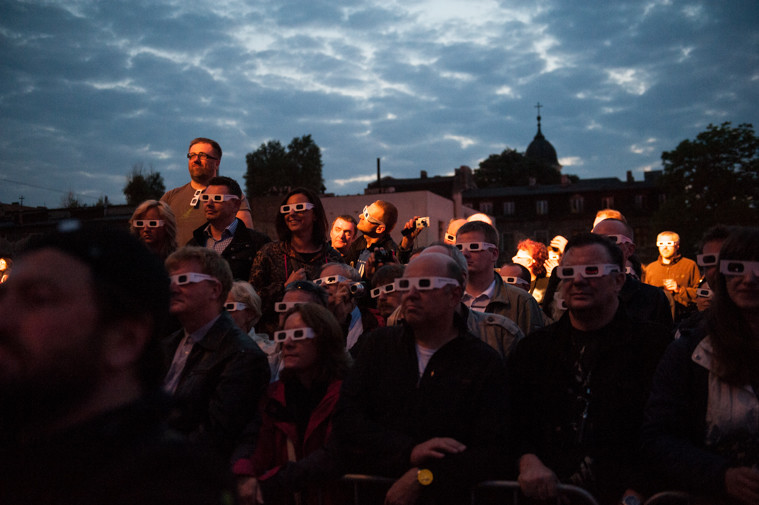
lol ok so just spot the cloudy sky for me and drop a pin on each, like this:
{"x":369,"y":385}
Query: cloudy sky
{"x":90,"y":88}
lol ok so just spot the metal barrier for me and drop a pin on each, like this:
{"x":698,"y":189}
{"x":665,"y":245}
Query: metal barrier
{"x":670,"y":498}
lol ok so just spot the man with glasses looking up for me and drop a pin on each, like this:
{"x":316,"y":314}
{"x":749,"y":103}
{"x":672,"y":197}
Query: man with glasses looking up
{"x":425,"y":402}
{"x":375,"y":223}
{"x":676,"y":275}
{"x":203,"y":159}
{"x":580,"y":385}
{"x":224,"y":232}
{"x":216,"y":372}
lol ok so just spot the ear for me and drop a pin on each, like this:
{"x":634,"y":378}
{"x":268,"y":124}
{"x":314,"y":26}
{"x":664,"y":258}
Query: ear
{"x":495,"y":252}
{"x":125,"y":341}
{"x":619,"y":280}
{"x":380,"y":229}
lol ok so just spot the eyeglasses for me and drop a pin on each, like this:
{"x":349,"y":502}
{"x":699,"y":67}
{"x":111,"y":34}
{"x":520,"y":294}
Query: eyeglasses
{"x":297,"y":207}
{"x":666,"y":243}
{"x":515,"y":280}
{"x":735,"y":267}
{"x":294,"y":334}
{"x":450,"y":238}
{"x":474,"y":246}
{"x":704,"y":293}
{"x":151,"y":223}
{"x":201,"y":156}
{"x":281,"y":307}
{"x":707,"y":260}
{"x":620,"y":239}
{"x":586,"y":271}
{"x":235,"y":306}
{"x":387,"y":288}
{"x":423,"y":283}
{"x":370,"y":218}
{"x":191,"y":277}
{"x":196,"y":198}
{"x":332,"y":279}
{"x":218,"y":197}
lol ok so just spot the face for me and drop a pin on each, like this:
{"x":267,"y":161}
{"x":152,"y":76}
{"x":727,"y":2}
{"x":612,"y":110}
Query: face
{"x":388,"y":302}
{"x":606,"y":227}
{"x":668,"y":251}
{"x":367,"y":227}
{"x":299,"y":221}
{"x":242,"y":318}
{"x":523,"y":258}
{"x":342,"y":234}
{"x":514,"y":271}
{"x":299,"y":355}
{"x":221,"y":212}
{"x":453,"y":227}
{"x":50,"y":336}
{"x":425,"y":307}
{"x":195,"y":297}
{"x":711,"y":272}
{"x":584,"y":294}
{"x":152,"y":237}
{"x":298,"y":296}
{"x":743,"y":290}
{"x":203,"y":171}
{"x":478,"y":261}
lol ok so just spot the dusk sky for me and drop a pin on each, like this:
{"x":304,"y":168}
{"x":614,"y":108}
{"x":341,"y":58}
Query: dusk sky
{"x":90,"y":88}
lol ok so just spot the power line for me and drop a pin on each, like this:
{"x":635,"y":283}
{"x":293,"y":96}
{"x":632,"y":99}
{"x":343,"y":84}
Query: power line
{"x":5,"y":179}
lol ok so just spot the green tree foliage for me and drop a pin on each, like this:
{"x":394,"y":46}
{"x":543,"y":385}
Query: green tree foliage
{"x":712,"y":179}
{"x":512,"y":168}
{"x":142,"y":185}
{"x":274,"y":170}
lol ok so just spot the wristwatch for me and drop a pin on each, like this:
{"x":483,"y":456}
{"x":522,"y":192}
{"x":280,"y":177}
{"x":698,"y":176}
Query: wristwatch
{"x":424,"y":477}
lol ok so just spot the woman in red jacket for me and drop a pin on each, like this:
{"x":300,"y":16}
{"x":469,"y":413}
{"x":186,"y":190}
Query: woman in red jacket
{"x":290,"y":464}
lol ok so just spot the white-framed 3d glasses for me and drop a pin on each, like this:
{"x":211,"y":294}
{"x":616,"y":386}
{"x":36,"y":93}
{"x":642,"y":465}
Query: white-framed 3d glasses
{"x":235,"y":306}
{"x":329,"y":280}
{"x":423,"y":283}
{"x":218,"y":197}
{"x":509,"y":279}
{"x":296,"y":207}
{"x":294,"y":334}
{"x":474,"y":246}
{"x":737,"y":267}
{"x":586,"y":271}
{"x":191,"y":277}
{"x":148,"y":223}
{"x":707,"y":260}
{"x":387,"y":288}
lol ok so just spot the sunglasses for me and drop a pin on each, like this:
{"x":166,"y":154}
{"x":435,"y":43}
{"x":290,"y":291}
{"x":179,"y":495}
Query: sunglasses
{"x":296,"y":207}
{"x":423,"y":283}
{"x":586,"y":271}
{"x":667,"y":243}
{"x":707,"y":260}
{"x":474,"y":246}
{"x":515,"y":280}
{"x":152,"y":223}
{"x":201,"y":156}
{"x":294,"y":334}
{"x":620,"y":239}
{"x":370,"y":218}
{"x":235,"y":306}
{"x":192,"y":277}
{"x":387,"y":288}
{"x":329,"y":280}
{"x":218,"y":197}
{"x":736,"y":267}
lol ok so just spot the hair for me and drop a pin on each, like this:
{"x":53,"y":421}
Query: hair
{"x":524,"y":272}
{"x":130,"y":283}
{"x":389,"y":214}
{"x":629,"y":233}
{"x":170,"y":224}
{"x":586,"y":239}
{"x":490,"y":233}
{"x":320,"y":294}
{"x":347,"y":270}
{"x":670,"y":233}
{"x":611,"y":214}
{"x":210,"y":263}
{"x":736,"y":348}
{"x":539,"y":254}
{"x":347,"y":218}
{"x":333,"y":361}
{"x":718,"y":232}
{"x":230,"y":183}
{"x":8,"y":264}
{"x":456,"y":255}
{"x":203,"y":140}
{"x":243,"y":292}
{"x":319,"y":233}
{"x":387,"y":274}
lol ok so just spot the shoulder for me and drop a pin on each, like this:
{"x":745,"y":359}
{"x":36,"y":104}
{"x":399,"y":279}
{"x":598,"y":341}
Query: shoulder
{"x":172,"y":193}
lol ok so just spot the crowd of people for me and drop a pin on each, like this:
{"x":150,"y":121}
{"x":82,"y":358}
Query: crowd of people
{"x":198,"y":360}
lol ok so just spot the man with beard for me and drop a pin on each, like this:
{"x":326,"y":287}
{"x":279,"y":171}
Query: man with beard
{"x":80,"y":368}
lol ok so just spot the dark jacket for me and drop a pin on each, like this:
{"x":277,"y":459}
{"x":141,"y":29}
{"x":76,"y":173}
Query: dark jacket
{"x":645,"y":302}
{"x":240,"y":252}
{"x":359,"y":246}
{"x":385,"y":409}
{"x":516,"y":304}
{"x":220,"y":386}
{"x":549,"y":401}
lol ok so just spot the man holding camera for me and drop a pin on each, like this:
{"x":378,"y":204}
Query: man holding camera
{"x":375,"y":223}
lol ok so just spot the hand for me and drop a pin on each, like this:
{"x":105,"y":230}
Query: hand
{"x":405,"y":491}
{"x":435,"y":448}
{"x":703,"y":303}
{"x":409,"y":233}
{"x":742,"y":484}
{"x":341,"y":301}
{"x":559,"y":243}
{"x":670,"y":284}
{"x":537,"y":480}
{"x":550,"y":264}
{"x":249,"y":491}
{"x":298,"y":275}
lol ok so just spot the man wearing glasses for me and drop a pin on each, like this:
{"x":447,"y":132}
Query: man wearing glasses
{"x":676,"y":275}
{"x":580,"y":385}
{"x":425,"y":402}
{"x":224,"y":232}
{"x":203,"y":159}
{"x":216,"y":372}
{"x":375,"y":223}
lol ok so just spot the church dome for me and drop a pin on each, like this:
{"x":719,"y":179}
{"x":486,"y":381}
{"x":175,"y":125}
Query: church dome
{"x":542,"y":150}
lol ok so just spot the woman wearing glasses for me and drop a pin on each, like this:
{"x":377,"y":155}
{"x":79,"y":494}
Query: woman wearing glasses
{"x":154,"y":224}
{"x":299,"y":254}
{"x":290,"y":464}
{"x":702,"y":419}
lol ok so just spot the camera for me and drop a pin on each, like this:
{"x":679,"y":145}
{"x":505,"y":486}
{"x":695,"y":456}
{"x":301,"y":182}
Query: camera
{"x":421,"y":222}
{"x":383,"y":256}
{"x":357,"y":289}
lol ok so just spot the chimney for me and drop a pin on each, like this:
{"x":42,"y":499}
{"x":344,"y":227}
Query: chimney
{"x":424,"y":174}
{"x":630,"y":177}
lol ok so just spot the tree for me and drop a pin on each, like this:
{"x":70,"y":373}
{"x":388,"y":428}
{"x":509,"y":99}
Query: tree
{"x":512,"y":168}
{"x":712,"y":179}
{"x":272,"y":170}
{"x":71,"y":201}
{"x":143,"y":185}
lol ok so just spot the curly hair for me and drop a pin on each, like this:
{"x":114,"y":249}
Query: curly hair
{"x":539,"y":254}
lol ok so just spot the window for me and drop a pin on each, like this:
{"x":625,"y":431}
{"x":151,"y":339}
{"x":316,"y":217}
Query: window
{"x":576,"y":204}
{"x":541,"y":207}
{"x":486,"y":207}
{"x":508,"y":208}
{"x":607,"y":202}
